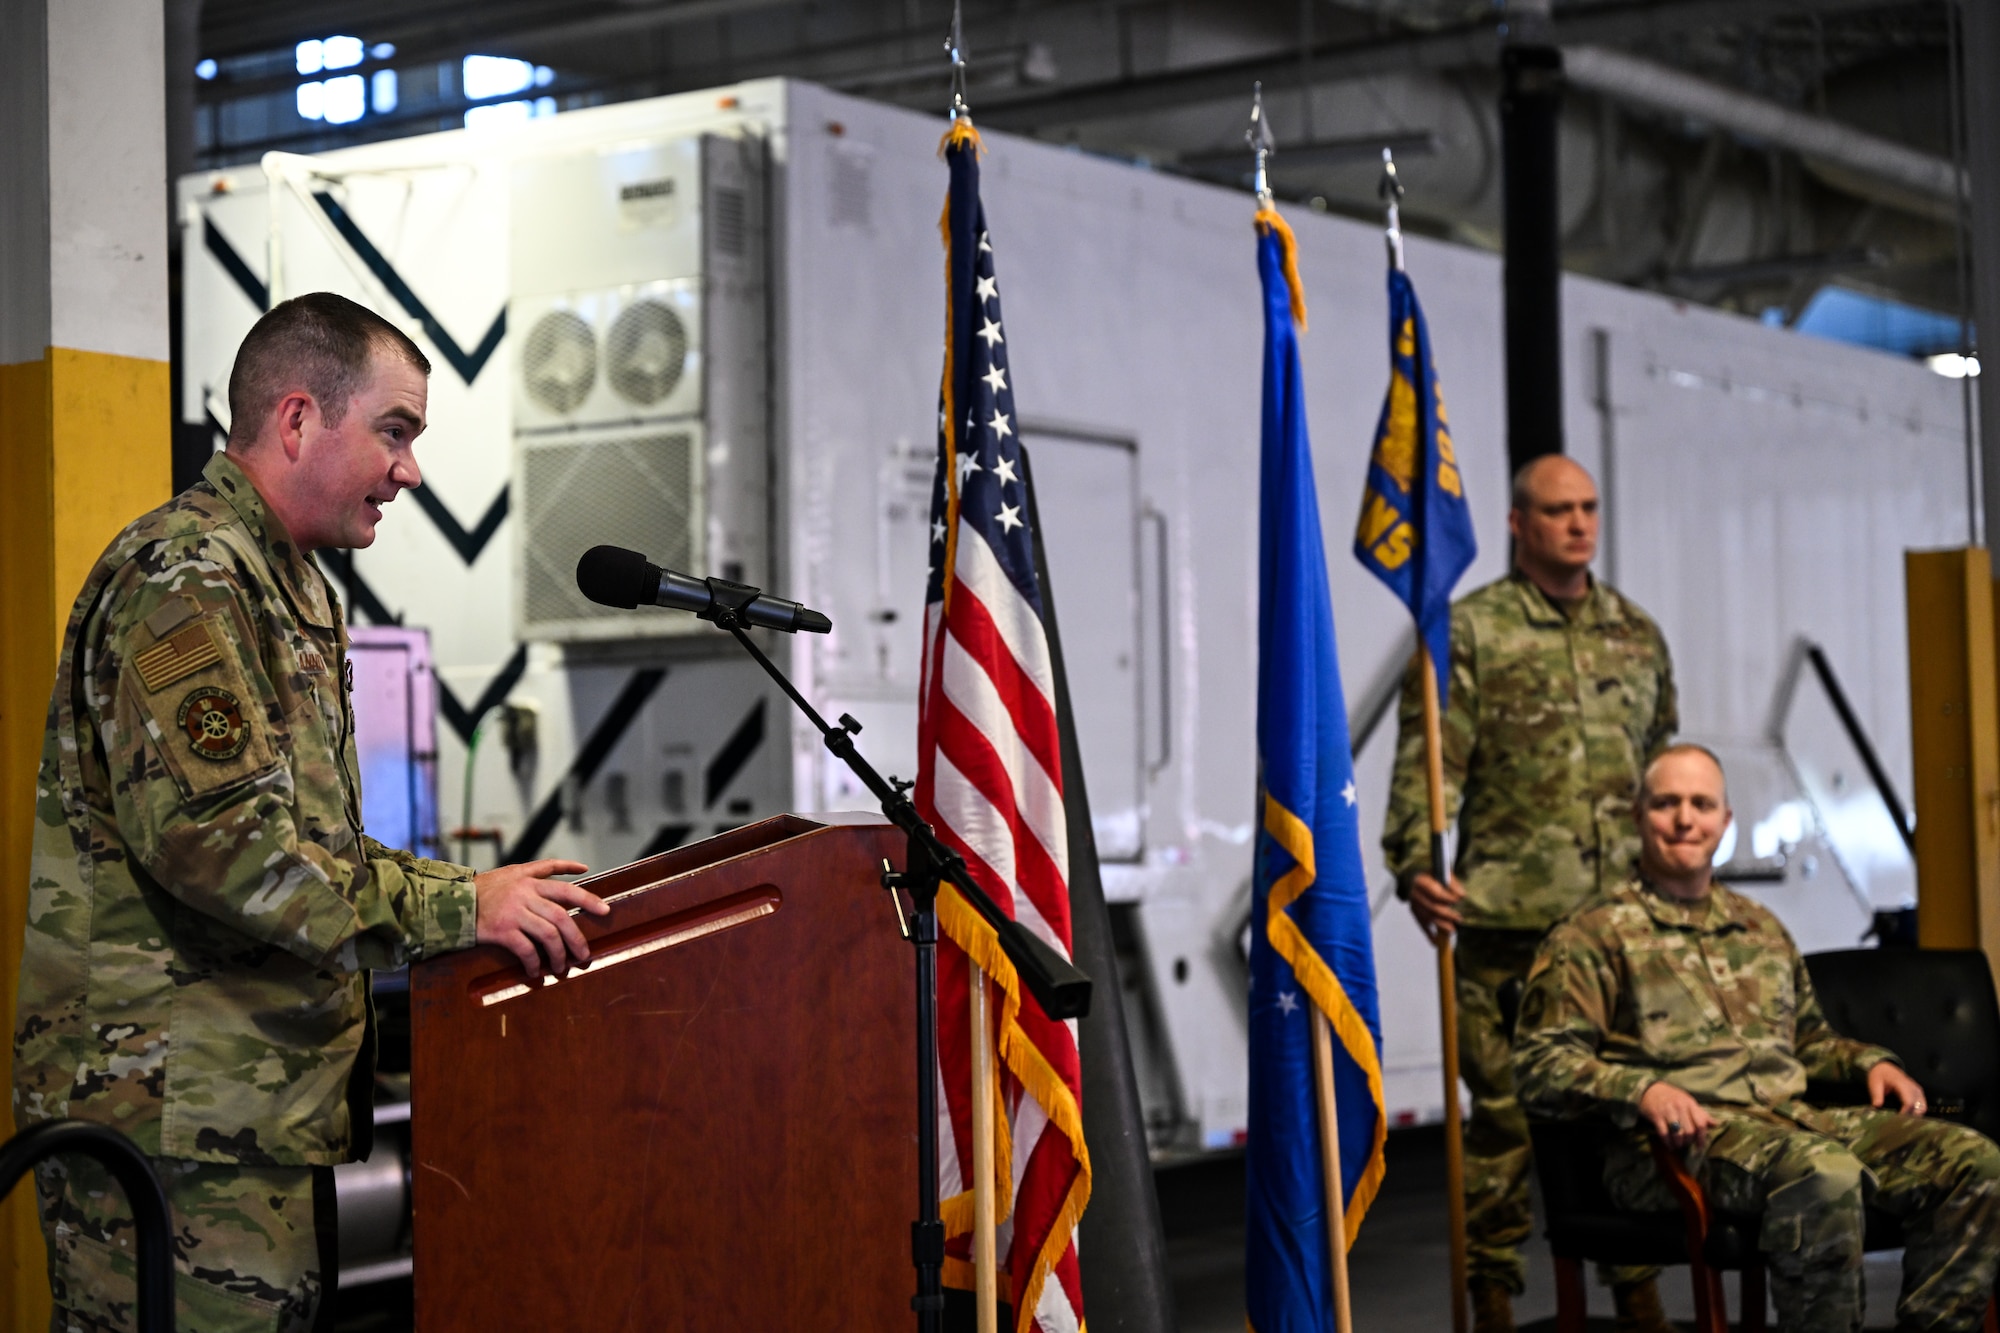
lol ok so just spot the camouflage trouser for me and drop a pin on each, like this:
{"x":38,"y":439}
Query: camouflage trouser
{"x":1809,"y":1172}
{"x":246,"y":1242}
{"x":1498,"y":1215}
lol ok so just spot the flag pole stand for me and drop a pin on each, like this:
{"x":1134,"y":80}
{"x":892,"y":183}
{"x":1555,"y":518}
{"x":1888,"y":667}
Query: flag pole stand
{"x":1454,"y":1134}
{"x":1329,"y":1154}
{"x":1057,"y":985}
{"x":986,"y":1275}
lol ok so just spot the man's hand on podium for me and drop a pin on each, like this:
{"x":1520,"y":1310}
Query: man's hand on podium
{"x":526,"y":913}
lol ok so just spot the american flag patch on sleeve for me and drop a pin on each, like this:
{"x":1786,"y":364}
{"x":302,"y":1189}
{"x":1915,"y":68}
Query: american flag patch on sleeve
{"x":178,"y":657}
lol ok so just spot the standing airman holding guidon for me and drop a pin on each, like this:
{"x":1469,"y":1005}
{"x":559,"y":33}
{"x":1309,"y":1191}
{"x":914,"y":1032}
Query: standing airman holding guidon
{"x":205,"y":908}
{"x":1560,"y":689}
{"x":1683,"y":1010}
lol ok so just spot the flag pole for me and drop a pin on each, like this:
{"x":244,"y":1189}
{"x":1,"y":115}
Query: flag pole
{"x":1264,"y":146}
{"x":985,"y":1261}
{"x":1391,"y":191}
{"x":1329,"y":1154}
{"x":985,"y":1269}
{"x":1454,"y":1134}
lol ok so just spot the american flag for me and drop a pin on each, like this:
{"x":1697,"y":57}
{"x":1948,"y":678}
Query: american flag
{"x":989,"y":779}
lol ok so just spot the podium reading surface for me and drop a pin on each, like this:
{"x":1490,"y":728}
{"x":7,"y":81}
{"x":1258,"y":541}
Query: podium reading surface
{"x":713,"y":1126}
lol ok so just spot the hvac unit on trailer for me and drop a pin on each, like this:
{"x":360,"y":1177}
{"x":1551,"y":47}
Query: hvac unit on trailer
{"x":638,"y":297}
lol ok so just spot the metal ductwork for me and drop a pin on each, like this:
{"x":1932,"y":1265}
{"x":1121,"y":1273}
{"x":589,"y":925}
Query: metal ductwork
{"x":1699,"y":221}
{"x":1847,"y":158}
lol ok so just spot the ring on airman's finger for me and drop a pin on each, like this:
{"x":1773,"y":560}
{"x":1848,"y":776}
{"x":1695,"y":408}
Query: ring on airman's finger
{"x":1673,"y":1127}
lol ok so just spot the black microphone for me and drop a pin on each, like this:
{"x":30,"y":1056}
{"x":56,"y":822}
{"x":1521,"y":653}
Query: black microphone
{"x":614,"y":576}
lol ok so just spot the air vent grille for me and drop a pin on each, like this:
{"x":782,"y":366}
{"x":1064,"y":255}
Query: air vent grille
{"x":851,"y":194}
{"x":645,"y":352}
{"x":635,"y":491}
{"x":731,"y":219}
{"x":559,"y":361}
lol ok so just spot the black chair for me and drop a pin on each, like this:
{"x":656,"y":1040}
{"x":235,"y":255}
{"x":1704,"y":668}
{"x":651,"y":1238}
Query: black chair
{"x":1585,"y":1226}
{"x":1935,"y":1008}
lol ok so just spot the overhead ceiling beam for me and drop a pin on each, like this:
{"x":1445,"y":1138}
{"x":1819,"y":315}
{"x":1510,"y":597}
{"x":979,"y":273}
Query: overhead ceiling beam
{"x":246,"y":27}
{"x":464,"y":29}
{"x":1469,"y":45}
{"x":629,"y":22}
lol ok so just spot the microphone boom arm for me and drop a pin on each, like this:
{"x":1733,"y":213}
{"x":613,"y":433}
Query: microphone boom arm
{"x":1059,"y":987}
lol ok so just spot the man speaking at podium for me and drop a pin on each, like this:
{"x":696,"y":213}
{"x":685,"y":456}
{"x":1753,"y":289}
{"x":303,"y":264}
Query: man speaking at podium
{"x":205,"y":908}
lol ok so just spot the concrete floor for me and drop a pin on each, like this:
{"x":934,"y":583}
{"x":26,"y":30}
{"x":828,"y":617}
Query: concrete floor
{"x":1399,"y":1264}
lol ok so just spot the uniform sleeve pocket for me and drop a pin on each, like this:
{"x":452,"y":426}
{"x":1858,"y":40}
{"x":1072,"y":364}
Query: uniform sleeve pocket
{"x":209,"y":727}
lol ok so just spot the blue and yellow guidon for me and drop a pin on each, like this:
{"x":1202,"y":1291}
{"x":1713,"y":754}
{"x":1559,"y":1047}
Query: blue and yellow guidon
{"x":1415,"y":530}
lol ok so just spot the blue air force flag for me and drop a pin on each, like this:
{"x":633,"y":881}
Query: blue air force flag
{"x":1415,"y":532}
{"x":1310,"y":947}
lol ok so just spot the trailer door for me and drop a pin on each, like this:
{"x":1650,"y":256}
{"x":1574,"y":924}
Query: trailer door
{"x":1086,"y":488}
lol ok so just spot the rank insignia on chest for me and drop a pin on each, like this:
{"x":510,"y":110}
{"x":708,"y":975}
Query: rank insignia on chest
{"x":213,"y":723}
{"x":177,"y":656}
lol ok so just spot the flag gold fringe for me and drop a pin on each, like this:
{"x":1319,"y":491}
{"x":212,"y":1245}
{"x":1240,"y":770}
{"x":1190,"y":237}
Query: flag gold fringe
{"x":961,"y":132}
{"x":1268,"y":222}
{"x":956,"y":1212}
{"x":1324,"y":987}
{"x":1037,"y":1078}
{"x":959,"y":1273}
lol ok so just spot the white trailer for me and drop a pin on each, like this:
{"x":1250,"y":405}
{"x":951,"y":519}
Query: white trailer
{"x":766,"y":408}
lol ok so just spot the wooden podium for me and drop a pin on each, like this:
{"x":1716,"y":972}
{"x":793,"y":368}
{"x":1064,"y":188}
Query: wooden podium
{"x":711,"y":1127}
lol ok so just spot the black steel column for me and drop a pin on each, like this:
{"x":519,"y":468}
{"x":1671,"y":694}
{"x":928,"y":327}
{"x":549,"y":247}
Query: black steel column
{"x":1530,"y":105}
{"x":1981,"y":53}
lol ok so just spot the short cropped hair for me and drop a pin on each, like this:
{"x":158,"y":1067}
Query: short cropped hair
{"x":318,"y":342}
{"x":1681,"y":747}
{"x":1518,"y":492}
{"x":1517,"y":495}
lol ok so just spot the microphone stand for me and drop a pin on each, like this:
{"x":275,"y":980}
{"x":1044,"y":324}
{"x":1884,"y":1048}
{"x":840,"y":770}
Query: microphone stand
{"x":1056,"y":984}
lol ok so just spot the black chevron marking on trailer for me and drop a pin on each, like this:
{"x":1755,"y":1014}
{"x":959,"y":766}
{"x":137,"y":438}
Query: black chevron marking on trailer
{"x":465,"y":720}
{"x":361,"y":598}
{"x":735,"y":753}
{"x":610,"y":729}
{"x":669,"y":837}
{"x":232,"y":263}
{"x":467,"y":544}
{"x":467,"y":364}
{"x":366,"y":603}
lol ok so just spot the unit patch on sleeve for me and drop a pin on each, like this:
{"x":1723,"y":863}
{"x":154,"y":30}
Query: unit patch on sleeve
{"x":177,"y":657}
{"x":213,"y":723}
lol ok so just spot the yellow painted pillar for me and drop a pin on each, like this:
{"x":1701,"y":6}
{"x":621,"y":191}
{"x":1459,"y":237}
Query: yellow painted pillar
{"x":85,"y":401}
{"x":1955,"y":748}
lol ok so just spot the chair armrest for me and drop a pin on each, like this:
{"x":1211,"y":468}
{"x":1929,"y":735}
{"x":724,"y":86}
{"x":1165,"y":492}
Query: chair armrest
{"x":1854,"y":1092}
{"x":1696,"y":1213}
{"x":1848,"y":1092}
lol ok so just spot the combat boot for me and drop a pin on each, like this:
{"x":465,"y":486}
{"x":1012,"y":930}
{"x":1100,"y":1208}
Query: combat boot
{"x":1638,"y":1305}
{"x":1492,"y":1306}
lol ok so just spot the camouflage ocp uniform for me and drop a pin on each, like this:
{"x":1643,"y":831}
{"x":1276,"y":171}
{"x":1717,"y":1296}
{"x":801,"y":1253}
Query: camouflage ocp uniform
{"x":1550,"y":716}
{"x":204,"y":908}
{"x":1713,"y":998}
